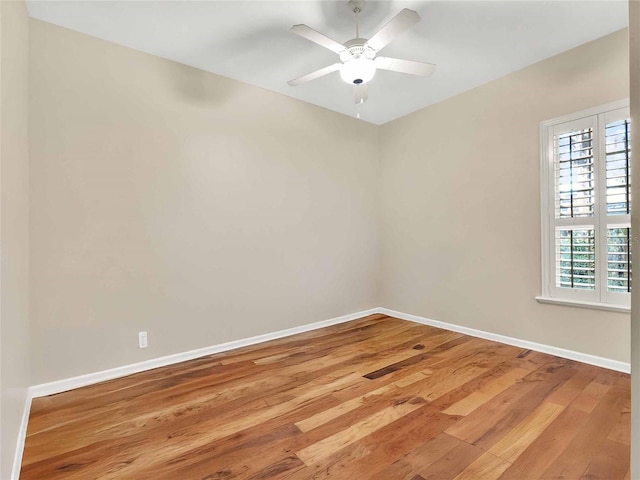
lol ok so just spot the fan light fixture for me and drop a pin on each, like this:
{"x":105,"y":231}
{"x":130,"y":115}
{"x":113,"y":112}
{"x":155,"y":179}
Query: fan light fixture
{"x":359,"y":58}
{"x":358,"y":71}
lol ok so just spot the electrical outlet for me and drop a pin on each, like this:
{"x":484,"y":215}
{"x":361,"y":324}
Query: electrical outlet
{"x":142,"y":339}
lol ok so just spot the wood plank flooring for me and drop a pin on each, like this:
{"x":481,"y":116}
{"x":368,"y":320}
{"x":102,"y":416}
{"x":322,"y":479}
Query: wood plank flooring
{"x":376,"y":398}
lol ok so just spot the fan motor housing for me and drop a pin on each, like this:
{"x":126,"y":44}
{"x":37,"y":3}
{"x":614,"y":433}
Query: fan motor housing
{"x":357,"y":48}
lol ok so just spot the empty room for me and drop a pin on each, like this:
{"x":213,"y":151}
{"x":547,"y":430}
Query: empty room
{"x":311,"y":239}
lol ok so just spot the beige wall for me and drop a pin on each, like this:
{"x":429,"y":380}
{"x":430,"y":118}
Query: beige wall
{"x":461,"y":203}
{"x":634,"y":65}
{"x":194,"y":207}
{"x":14,"y":226}
{"x":204,"y":210}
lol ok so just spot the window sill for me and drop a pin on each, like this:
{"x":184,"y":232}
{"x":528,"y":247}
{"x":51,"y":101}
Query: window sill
{"x":581,"y":304}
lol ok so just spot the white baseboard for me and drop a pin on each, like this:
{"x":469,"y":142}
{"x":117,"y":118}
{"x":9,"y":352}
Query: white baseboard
{"x":22,"y":435}
{"x":59,"y":386}
{"x":517,"y":342}
{"x":91,"y":378}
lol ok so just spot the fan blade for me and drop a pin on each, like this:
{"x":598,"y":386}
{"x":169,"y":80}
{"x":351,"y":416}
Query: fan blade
{"x":317,"y":37}
{"x":313,"y":75}
{"x":404,"y":66}
{"x":360,"y":94}
{"x":396,"y":26}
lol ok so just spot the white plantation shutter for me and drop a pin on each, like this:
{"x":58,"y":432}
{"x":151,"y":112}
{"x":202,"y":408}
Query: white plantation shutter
{"x":619,"y":259}
{"x":573,"y":161}
{"x":617,"y":152}
{"x":575,"y":258}
{"x":574,"y":174}
{"x":618,"y":167}
{"x":587,"y":207}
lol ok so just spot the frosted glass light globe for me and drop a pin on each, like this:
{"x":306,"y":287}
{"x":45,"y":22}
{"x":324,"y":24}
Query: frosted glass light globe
{"x":358,"y":71}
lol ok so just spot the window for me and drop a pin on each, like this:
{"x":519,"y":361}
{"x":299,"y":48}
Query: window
{"x":586,"y":208}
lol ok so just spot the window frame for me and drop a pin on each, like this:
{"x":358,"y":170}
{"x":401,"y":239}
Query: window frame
{"x":599,"y":298}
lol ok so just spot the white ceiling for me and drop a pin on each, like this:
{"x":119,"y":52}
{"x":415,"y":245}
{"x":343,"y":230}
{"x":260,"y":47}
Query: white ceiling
{"x":470,"y":42}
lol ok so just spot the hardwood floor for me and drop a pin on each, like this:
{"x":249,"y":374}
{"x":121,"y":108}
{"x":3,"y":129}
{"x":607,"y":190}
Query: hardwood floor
{"x":376,"y":398}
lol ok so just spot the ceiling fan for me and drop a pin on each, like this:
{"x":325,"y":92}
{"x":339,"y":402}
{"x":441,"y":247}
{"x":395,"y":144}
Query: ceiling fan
{"x":359,"y":55}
